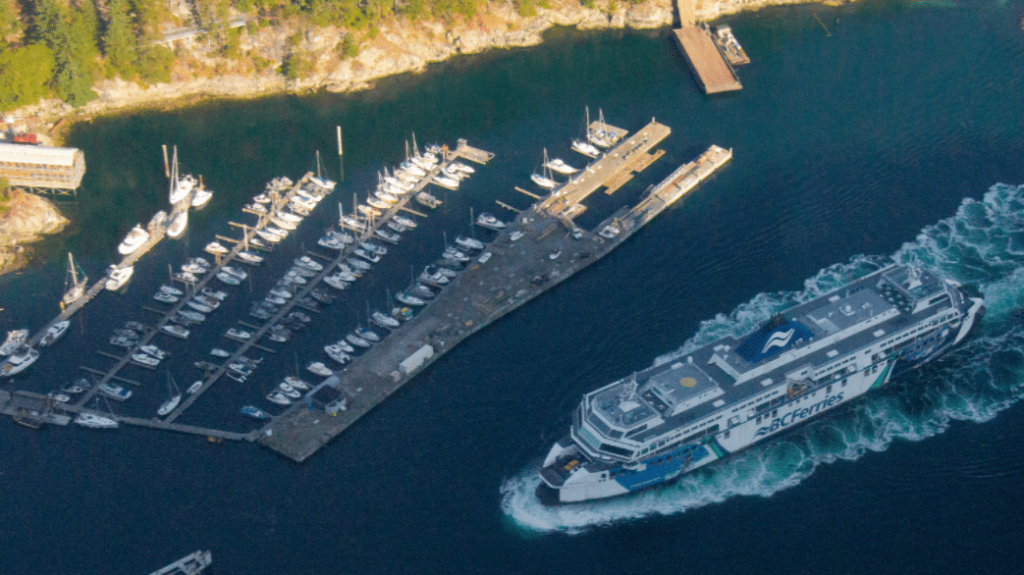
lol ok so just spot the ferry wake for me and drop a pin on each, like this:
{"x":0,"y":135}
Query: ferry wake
{"x":673,"y":418}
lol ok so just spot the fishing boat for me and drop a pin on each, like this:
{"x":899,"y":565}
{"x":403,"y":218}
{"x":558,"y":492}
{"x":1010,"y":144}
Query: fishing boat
{"x":278,"y":398}
{"x":409,"y":299}
{"x":74,"y":282}
{"x":19,"y":361}
{"x":14,"y":340}
{"x":384,"y":320}
{"x":469,"y":243}
{"x":254,"y":412}
{"x":114,"y":391}
{"x":94,"y":421}
{"x":54,"y":332}
{"x":174,"y":397}
{"x":320,"y":369}
{"x":486,"y":220}
{"x":117,"y":277}
{"x":544,"y":179}
{"x":133,"y":241}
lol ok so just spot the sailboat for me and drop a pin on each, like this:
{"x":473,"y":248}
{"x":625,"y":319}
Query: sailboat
{"x":73,"y":285}
{"x":319,"y":179}
{"x":583,"y":146}
{"x":544,"y":179}
{"x":180,"y":187}
{"x":175,"y":397}
{"x":201,"y":196}
{"x":599,"y":137}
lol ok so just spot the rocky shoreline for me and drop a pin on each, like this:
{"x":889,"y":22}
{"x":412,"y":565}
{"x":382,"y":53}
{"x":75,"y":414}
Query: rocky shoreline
{"x":28,"y":220}
{"x":398,"y":47}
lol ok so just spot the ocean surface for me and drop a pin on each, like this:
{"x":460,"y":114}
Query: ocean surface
{"x":884,"y":132}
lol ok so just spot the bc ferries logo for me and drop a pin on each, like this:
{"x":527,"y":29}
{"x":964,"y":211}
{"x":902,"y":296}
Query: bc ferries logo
{"x":778,"y":339}
{"x":799,"y":415}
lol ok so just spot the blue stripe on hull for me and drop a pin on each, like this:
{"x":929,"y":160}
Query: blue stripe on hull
{"x":682,"y":460}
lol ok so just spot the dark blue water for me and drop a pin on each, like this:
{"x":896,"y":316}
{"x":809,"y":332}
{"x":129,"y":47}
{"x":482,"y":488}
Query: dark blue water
{"x":900,"y":136}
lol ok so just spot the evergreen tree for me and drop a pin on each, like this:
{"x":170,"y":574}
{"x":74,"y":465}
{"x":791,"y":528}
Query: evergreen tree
{"x":83,"y":35}
{"x":48,"y":23}
{"x":119,"y":42}
{"x":10,"y":23}
{"x":25,"y":75}
{"x":90,"y":21}
{"x":72,"y":76}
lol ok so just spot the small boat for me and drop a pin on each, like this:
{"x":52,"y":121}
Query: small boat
{"x":283,"y":224}
{"x":192,"y":315}
{"x":367,"y":256}
{"x":73,"y":389}
{"x":297,"y":383}
{"x":557,"y":165}
{"x":308,"y":263}
{"x":218,"y":352}
{"x":356,"y":340}
{"x":484,"y":257}
{"x":175,"y":330}
{"x":14,"y":340}
{"x":384,"y":320}
{"x":228,"y":279}
{"x":278,"y":398}
{"x":267,"y":235}
{"x":239,"y":333}
{"x":114,"y":391}
{"x":174,"y":397}
{"x":359,"y":264}
{"x":421,"y":291}
{"x":427,"y":200}
{"x":215,"y":294}
{"x":250,"y":257}
{"x":433,"y":276}
{"x":486,"y":220}
{"x":469,"y":243}
{"x":200,"y":197}
{"x":237,"y":272}
{"x":165,"y":297}
{"x":153,"y":351}
{"x":450,"y":253}
{"x":133,"y":241}
{"x":94,"y":421}
{"x":554,"y":254}
{"x":277,"y":337}
{"x":289,"y":391}
{"x":461,"y":167}
{"x":19,"y":361}
{"x":585,"y":148}
{"x":409,"y":299}
{"x":516,"y":235}
{"x":194,"y":388}
{"x":262,"y":199}
{"x":337,"y":354}
{"x":198,"y":306}
{"x":254,"y":412}
{"x":390,"y":237}
{"x":577,"y":234}
{"x":396,"y":227}
{"x":171,"y":290}
{"x":367,"y":334}
{"x":445,"y":181}
{"x":407,"y":222}
{"x":216,"y":248}
{"x":74,"y":285}
{"x":176,"y":227}
{"x":186,"y":277}
{"x":374,"y":248}
{"x":256,"y":207}
{"x":281,"y":293}
{"x":320,"y":369}
{"x":402,"y":313}
{"x":54,"y":332}
{"x":369,"y":211}
{"x":59,"y":397}
{"x":379,"y":204}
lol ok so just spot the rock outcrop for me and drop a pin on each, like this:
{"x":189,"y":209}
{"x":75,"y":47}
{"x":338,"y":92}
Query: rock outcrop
{"x":29,"y":218}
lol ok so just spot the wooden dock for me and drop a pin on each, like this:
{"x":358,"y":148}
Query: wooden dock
{"x":708,"y":66}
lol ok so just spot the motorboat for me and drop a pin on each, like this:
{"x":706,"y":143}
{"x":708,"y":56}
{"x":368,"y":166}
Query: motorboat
{"x":58,"y":396}
{"x":239,"y":333}
{"x":14,"y":340}
{"x":302,"y":272}
{"x":114,"y":391}
{"x":133,"y":241}
{"x":199,"y":306}
{"x":262,"y":199}
{"x":486,"y":220}
{"x":176,"y":330}
{"x":554,"y":254}
{"x":54,"y":332}
{"x":237,"y":272}
{"x":356,"y":340}
{"x":289,"y":391}
{"x":200,"y":197}
{"x":187,"y":277}
{"x":335,"y":282}
{"x":295,"y":276}
{"x":194,"y":268}
{"x":378,"y":204}
{"x":450,"y":253}
{"x":260,"y":313}
{"x":195,"y":387}
{"x":73,"y":389}
{"x":469,"y":243}
{"x":344,"y":346}
{"x":192,"y":315}
{"x":320,"y":369}
{"x":396,"y":227}
{"x":337,"y":354}
{"x":557,"y":165}
{"x":374,"y":248}
{"x":153,"y":351}
{"x":421,"y":291}
{"x":94,"y":421}
{"x":297,"y":383}
{"x":218,"y":352}
{"x":402,"y":313}
{"x":390,"y":237}
{"x":19,"y":361}
{"x":267,"y":235}
{"x":250,"y":257}
{"x":367,"y":256}
{"x":432,"y":275}
{"x":299,"y":316}
{"x":516,"y":235}
{"x":216,"y":248}
{"x":171,"y":290}
{"x":353,"y":223}
{"x":275,"y":300}
{"x":256,"y":207}
{"x":228,"y":279}
{"x":281,"y":293}
{"x":254,"y":412}
{"x":409,"y":299}
{"x":367,"y":334}
{"x":239,"y":377}
{"x":308,"y":263}
{"x":177,"y":225}
{"x":278,"y":398}
{"x":165,"y":297}
{"x":446,"y":272}
{"x":74,"y":286}
{"x":445,"y":181}
{"x":585,"y":148}
{"x":359,"y":264}
{"x":484,"y":257}
{"x":384,"y":320}
{"x":369,"y":211}
{"x":461,"y":167}
{"x":283,"y":224}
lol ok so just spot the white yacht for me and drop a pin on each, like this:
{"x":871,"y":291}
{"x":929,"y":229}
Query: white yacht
{"x":117,"y":277}
{"x":200,"y":197}
{"x":114,"y":391}
{"x":557,"y":165}
{"x":469,"y":243}
{"x":585,"y":148}
{"x":133,"y":241}
{"x":19,"y":361}
{"x":14,"y":340}
{"x":54,"y":332}
{"x":278,"y":398}
{"x":95,"y":421}
{"x":216,"y":248}
{"x":486,"y":220}
{"x":320,"y":369}
{"x":177,"y":225}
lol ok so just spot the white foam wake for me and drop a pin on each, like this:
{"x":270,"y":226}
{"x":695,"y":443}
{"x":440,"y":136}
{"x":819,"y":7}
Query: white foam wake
{"x":983,"y":245}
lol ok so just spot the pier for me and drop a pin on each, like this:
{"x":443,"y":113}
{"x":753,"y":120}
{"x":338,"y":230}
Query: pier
{"x":515,"y":272}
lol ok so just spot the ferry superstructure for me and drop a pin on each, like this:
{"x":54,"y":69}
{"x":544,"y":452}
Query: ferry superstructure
{"x":718,"y":399}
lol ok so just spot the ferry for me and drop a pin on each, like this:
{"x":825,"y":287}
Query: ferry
{"x":673,"y":418}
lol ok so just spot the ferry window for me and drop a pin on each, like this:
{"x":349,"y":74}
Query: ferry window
{"x":726,"y":434}
{"x":668,"y":458}
{"x":775,"y":413}
{"x":828,"y":389}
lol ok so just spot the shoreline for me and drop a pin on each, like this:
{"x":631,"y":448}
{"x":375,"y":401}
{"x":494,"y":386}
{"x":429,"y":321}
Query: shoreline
{"x":398,"y":48}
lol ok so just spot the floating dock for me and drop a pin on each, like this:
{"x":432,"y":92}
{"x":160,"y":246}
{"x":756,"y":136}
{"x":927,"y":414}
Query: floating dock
{"x":707,"y":64}
{"x":515,"y":272}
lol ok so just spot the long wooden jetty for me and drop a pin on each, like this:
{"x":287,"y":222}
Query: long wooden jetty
{"x":543,"y":256}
